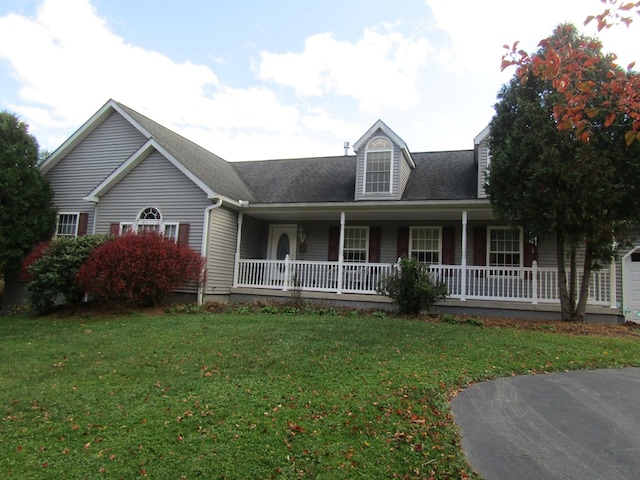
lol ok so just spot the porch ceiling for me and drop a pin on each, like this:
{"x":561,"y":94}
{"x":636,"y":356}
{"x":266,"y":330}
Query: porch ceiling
{"x":370,"y":212}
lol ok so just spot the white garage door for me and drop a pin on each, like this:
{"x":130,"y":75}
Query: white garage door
{"x":632,"y":286}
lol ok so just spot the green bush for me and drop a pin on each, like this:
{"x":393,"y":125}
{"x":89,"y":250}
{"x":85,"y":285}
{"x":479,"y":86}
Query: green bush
{"x":53,"y":274}
{"x":412,"y":287}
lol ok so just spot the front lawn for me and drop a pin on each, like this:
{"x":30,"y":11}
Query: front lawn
{"x":256,"y":396}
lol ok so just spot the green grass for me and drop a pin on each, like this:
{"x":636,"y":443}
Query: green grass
{"x":255,"y":396}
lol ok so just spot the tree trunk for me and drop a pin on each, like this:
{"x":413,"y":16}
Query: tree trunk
{"x":565,"y":305}
{"x":584,"y":288}
{"x":573,"y":279}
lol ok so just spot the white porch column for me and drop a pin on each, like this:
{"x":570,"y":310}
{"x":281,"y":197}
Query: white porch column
{"x":534,"y":282}
{"x":612,"y":284}
{"x":463,"y":260}
{"x":341,"y":253}
{"x":236,"y":262}
{"x":287,"y":270}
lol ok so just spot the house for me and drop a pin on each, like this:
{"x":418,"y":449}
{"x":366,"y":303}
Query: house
{"x":328,"y":228}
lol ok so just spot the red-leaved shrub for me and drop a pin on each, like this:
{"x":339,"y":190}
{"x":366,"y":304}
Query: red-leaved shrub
{"x":37,"y":252}
{"x":143,"y":268}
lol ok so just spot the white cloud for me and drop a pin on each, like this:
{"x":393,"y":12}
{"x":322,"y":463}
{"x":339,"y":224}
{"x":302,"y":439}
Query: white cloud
{"x":380,"y":70}
{"x":434,"y":83}
{"x":320,"y":121}
{"x":69,"y":65}
{"x":478,"y":30}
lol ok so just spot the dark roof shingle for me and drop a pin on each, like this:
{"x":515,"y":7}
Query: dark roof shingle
{"x":437,"y":176}
{"x":450,"y":175}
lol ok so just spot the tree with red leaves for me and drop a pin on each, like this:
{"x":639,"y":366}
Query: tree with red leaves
{"x":587,"y":101}
{"x":579,"y":185}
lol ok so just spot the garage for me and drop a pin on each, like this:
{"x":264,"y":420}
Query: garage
{"x":631,"y":285}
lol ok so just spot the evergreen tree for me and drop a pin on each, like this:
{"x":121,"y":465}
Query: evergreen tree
{"x":27,"y":215}
{"x":581,"y":193}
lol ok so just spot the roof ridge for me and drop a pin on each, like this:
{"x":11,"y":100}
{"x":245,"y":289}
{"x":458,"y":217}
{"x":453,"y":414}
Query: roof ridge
{"x":233,"y":184}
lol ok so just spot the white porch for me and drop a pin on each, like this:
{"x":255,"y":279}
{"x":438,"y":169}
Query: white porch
{"x":533,"y":284}
{"x":466,"y":284}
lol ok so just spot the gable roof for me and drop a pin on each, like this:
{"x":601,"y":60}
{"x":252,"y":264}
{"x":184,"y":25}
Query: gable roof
{"x":435,"y":176}
{"x":210,"y":172}
{"x":380,"y":125}
{"x":482,"y":135}
{"x":218,"y":174}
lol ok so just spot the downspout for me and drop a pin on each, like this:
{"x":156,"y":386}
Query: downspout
{"x":95,"y":218}
{"x":205,"y":242}
{"x":236,"y":259}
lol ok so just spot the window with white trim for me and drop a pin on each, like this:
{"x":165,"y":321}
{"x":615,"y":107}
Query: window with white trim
{"x":505,"y":247}
{"x":170,"y":230}
{"x":425,"y":244}
{"x":126,"y":227}
{"x":67,"y":225}
{"x":356,"y":244}
{"x":378,"y":156}
{"x":150,"y":220}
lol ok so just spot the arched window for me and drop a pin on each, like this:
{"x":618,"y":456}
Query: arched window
{"x":149,"y":220}
{"x":378,"y":155}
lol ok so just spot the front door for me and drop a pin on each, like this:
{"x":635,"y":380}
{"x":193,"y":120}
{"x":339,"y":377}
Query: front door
{"x":282,"y":242}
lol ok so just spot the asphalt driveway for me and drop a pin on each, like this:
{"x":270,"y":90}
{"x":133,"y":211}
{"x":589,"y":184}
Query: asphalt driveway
{"x":575,"y":425}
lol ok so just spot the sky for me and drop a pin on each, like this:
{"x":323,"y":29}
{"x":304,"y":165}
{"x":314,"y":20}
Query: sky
{"x":251,"y":79}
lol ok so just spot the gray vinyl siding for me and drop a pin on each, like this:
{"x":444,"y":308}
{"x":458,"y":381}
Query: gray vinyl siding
{"x":90,"y":162}
{"x":396,"y":159}
{"x":405,"y":170}
{"x":254,"y":238}
{"x":389,"y":243}
{"x":483,"y":160}
{"x":318,"y":240}
{"x":155,"y":182}
{"x":547,"y":253}
{"x":221,"y":251}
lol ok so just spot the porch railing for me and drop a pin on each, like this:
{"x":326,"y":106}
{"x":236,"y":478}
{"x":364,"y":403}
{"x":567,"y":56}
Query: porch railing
{"x":312,"y":276}
{"x":522,"y":284}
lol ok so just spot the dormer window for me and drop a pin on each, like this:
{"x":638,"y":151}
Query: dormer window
{"x":378,"y":155}
{"x":383,"y":165}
